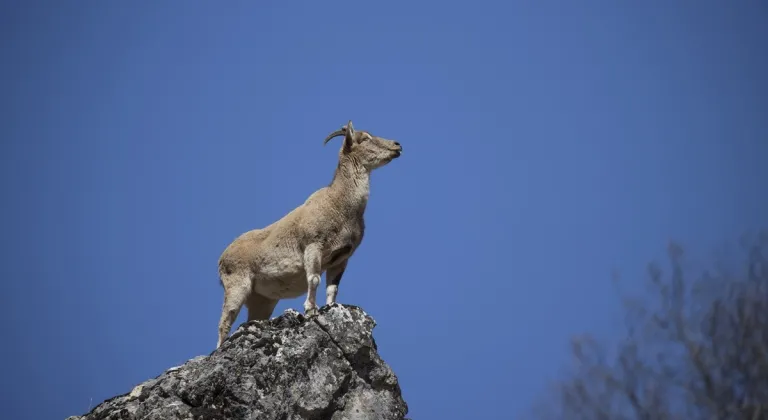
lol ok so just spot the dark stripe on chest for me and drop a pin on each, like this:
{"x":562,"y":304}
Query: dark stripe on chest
{"x":339,"y":255}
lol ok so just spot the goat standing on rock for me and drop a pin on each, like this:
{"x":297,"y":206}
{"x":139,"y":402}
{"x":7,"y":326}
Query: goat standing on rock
{"x":285,"y":259}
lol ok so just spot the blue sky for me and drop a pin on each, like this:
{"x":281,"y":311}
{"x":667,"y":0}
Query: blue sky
{"x":545,"y":144}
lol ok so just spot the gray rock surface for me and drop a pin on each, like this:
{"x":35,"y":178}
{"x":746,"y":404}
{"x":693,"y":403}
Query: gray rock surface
{"x":287,"y":368}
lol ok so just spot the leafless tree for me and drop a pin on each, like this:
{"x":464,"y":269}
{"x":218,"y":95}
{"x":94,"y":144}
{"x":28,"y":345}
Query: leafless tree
{"x":698,"y":349}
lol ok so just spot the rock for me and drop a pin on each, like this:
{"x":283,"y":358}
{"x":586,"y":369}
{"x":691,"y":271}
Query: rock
{"x":287,"y":368}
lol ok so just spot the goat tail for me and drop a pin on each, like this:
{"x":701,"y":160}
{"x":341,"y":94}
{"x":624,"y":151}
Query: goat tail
{"x":221,"y":272}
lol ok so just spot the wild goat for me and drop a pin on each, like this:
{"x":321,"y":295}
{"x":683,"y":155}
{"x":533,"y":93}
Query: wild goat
{"x":285,"y":259}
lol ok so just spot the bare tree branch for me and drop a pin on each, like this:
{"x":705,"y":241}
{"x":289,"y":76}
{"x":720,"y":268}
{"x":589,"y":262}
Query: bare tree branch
{"x":697,"y":350}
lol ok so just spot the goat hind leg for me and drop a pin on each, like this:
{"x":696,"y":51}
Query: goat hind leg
{"x":237,"y":288}
{"x":259,"y":307}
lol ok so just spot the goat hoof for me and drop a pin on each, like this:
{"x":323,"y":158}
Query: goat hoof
{"x":311,"y":312}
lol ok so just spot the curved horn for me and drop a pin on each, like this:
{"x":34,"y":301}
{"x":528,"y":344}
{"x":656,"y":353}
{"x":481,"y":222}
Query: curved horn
{"x":340,"y":132}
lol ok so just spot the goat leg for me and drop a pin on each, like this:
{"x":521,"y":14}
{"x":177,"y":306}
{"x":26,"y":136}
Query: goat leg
{"x":312,"y":266}
{"x":332,"y":280}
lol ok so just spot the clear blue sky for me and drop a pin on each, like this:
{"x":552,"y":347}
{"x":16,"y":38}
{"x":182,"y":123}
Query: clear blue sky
{"x":545,"y":144}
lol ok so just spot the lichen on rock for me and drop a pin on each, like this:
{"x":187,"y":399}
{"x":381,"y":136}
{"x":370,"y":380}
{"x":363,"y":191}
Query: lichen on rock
{"x":288,"y":368}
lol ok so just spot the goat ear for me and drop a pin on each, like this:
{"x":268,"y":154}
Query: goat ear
{"x":347,"y":131}
{"x":349,"y":136}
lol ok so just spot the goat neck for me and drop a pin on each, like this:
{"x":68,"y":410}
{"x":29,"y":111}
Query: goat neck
{"x":351,"y":183}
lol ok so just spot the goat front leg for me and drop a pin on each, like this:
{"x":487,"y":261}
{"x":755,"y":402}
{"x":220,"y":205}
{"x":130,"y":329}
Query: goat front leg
{"x":312,"y":265}
{"x":332,"y":280}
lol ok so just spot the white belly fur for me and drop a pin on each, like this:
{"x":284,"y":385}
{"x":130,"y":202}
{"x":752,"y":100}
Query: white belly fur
{"x":286,"y":278}
{"x":281,"y":279}
{"x":285,"y":287}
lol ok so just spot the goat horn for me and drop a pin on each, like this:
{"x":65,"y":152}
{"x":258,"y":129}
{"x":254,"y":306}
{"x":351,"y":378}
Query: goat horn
{"x":340,"y":132}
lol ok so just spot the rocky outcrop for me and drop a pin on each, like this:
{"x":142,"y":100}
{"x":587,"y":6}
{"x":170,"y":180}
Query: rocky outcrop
{"x":290,"y":367}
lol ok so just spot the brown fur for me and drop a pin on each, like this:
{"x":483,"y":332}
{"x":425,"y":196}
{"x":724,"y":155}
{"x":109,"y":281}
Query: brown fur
{"x":285,"y":259}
